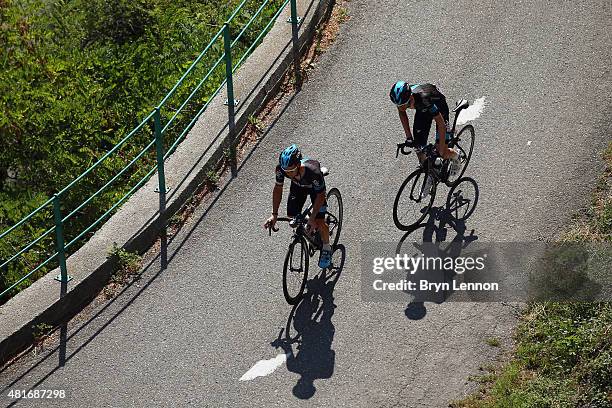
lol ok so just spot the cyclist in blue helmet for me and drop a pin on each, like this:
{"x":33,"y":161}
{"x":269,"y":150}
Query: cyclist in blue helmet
{"x":306,"y":180}
{"x":430,"y":105}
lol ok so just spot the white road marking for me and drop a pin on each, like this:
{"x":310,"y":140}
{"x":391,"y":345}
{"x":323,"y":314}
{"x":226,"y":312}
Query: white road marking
{"x":265,"y":367}
{"x":472,"y":112}
{"x":529,"y":143}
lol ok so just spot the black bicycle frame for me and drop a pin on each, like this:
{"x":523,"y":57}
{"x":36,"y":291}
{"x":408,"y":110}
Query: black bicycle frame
{"x":455,"y":120}
{"x":314,"y":240}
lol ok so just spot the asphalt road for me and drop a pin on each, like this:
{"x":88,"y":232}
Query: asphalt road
{"x":186,"y":336}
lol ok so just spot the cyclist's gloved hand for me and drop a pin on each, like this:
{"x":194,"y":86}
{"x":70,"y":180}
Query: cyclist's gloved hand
{"x":270,"y":222}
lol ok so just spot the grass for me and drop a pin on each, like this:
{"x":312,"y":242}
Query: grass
{"x":256,"y":123}
{"x":41,"y":331}
{"x":212,"y":179}
{"x":127,"y":266}
{"x":563,"y":352}
{"x":493,"y":342}
{"x":343,"y":15}
{"x":595,"y":223}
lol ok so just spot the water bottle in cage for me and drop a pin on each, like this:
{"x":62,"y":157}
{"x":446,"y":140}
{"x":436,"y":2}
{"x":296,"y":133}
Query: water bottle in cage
{"x":438,"y":166}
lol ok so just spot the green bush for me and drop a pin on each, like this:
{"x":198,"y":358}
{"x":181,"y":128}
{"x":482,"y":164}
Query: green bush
{"x":117,"y":21}
{"x":75,"y":78}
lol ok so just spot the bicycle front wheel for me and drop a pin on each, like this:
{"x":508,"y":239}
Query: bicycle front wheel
{"x":462,"y":198}
{"x":412,"y":203}
{"x":295,"y":270}
{"x":464,"y":143}
{"x":334,"y":215}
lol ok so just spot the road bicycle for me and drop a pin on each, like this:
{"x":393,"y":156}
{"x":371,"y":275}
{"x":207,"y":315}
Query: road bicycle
{"x":413,"y":202}
{"x":303,"y":244}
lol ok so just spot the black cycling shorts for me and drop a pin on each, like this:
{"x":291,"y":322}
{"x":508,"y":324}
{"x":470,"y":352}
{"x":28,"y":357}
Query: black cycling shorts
{"x":297,"y":198}
{"x":422,"y":123}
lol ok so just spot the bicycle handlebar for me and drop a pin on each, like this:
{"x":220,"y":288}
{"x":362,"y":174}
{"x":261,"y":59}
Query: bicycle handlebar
{"x":403,"y":146}
{"x":270,"y":229}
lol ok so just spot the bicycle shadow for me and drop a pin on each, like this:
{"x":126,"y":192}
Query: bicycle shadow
{"x":430,"y":238}
{"x":310,"y":328}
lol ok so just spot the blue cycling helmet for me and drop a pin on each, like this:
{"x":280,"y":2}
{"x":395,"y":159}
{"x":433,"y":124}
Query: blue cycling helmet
{"x":290,"y":157}
{"x":400,"y":92}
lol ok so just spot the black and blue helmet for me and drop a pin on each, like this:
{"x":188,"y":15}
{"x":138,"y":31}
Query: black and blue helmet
{"x":400,"y":92}
{"x":290,"y":157}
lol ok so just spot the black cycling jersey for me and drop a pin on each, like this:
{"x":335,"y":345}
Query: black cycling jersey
{"x":427,"y":98}
{"x":310,"y":184}
{"x":428,"y":102}
{"x":312,"y":179}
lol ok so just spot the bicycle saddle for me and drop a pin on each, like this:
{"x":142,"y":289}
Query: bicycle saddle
{"x":324,"y":170}
{"x":461,"y":104}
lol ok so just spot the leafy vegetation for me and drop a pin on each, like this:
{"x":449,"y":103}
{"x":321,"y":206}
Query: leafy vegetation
{"x":563,"y":355}
{"x":126,"y":268}
{"x":41,"y":331}
{"x":75,"y":78}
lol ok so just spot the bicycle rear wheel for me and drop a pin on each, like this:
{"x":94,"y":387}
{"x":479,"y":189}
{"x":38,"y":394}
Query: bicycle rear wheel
{"x":334,"y":215}
{"x":295,"y":270}
{"x":410,"y":208}
{"x":464,"y":142}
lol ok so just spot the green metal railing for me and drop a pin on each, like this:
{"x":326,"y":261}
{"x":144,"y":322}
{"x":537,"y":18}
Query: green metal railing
{"x":158,"y":147}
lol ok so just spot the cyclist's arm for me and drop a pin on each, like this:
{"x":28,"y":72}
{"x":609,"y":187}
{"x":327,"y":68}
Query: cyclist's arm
{"x":318,"y":183}
{"x":443,"y":150}
{"x":318,"y":203}
{"x":405,"y":122}
{"x":277,"y":195}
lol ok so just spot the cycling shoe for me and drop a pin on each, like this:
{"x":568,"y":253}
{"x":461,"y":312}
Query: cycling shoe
{"x":325,"y":259}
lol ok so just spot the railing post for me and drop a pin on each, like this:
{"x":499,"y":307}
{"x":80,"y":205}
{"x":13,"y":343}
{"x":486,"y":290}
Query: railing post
{"x":296,"y":51}
{"x":59,"y":243}
{"x":231,"y":103}
{"x":63,"y":277}
{"x":161,"y":189}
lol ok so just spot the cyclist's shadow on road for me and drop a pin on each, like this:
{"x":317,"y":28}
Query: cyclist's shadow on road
{"x":435,"y":229}
{"x":310,"y":328}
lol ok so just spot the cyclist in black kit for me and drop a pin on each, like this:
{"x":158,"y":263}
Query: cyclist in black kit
{"x":430,"y":105}
{"x":306,"y":180}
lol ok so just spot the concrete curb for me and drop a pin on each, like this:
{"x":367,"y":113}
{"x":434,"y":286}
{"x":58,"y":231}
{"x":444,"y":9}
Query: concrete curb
{"x":136,"y":225}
